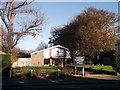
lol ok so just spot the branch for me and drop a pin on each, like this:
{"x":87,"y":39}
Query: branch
{"x":16,"y":40}
{"x":8,"y":14}
{"x":3,"y":19}
{"x":27,"y":11}
{"x":33,"y":26}
{"x":19,"y":6}
{"x":23,"y":4}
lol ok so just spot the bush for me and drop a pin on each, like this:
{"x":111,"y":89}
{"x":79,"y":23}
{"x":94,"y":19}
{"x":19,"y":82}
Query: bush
{"x":6,"y":64}
{"x":116,"y":65}
{"x":6,"y":60}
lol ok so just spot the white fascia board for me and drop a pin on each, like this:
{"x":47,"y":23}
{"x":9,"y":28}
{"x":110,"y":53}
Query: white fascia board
{"x":50,"y":48}
{"x":37,"y":52}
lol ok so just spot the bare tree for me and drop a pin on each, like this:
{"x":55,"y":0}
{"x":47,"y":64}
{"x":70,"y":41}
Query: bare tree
{"x":0,"y":38}
{"x":42,"y":46}
{"x":19,"y":19}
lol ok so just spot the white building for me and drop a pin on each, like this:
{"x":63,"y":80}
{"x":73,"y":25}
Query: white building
{"x":56,"y":55}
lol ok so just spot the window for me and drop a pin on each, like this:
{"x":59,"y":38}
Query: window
{"x":46,"y":61}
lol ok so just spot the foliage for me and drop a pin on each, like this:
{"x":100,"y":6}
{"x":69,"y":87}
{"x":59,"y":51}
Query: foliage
{"x":116,"y":65}
{"x":15,"y":54}
{"x":110,"y":54}
{"x":88,"y":33}
{"x":24,"y":54}
{"x":6,"y":60}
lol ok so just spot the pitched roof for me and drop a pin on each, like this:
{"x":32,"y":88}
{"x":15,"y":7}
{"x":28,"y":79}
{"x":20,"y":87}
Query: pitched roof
{"x":50,"y":48}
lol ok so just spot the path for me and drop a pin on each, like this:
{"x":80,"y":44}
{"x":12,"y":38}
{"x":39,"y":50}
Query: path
{"x":104,"y":76}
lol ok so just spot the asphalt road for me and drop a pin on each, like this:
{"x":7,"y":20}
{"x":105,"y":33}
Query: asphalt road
{"x":63,"y":81}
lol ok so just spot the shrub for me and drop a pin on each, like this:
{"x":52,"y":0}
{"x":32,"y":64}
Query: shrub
{"x":15,"y":54}
{"x":116,"y":65}
{"x":6,"y":64}
{"x":6,"y":60}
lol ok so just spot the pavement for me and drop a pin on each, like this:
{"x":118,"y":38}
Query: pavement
{"x":91,"y":82}
{"x":105,"y":77}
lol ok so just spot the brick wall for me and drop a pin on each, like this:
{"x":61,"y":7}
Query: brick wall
{"x":37,"y":59}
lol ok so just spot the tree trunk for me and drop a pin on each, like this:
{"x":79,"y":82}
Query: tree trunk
{"x":10,"y":38}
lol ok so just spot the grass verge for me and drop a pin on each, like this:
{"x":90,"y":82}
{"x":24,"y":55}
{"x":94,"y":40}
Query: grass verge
{"x":98,"y":67}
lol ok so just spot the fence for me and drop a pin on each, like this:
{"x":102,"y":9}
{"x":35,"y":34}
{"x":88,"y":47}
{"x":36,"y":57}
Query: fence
{"x":41,"y":71}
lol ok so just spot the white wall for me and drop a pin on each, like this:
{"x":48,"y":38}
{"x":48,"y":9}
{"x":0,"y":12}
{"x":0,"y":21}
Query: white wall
{"x":56,"y":52}
{"x":47,"y":53}
{"x":59,"y":52}
{"x":22,"y":62}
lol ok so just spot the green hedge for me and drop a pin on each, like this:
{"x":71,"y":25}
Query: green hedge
{"x":6,"y":60}
{"x":116,"y":65}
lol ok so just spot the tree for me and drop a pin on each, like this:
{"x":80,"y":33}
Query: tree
{"x":66,"y":37}
{"x":4,"y":42}
{"x":24,"y":53}
{"x":116,"y":64}
{"x":15,"y":54}
{"x":42,"y":46}
{"x":0,"y":38}
{"x":90,"y":32}
{"x":13,"y":14}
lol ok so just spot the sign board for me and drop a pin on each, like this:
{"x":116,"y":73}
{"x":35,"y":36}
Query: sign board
{"x":79,"y":60}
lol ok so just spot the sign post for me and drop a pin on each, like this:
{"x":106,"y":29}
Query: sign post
{"x":83,"y":71}
{"x":75,"y":70}
{"x":80,"y":61}
{"x":58,"y":72}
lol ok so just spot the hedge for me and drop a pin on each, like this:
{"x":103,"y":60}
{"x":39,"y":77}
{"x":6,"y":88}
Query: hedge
{"x":116,"y":65}
{"x":6,"y":60}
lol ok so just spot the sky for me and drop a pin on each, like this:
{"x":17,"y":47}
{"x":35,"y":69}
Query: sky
{"x":59,"y":14}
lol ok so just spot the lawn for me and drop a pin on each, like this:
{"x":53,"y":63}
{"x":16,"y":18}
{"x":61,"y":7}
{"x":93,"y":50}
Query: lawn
{"x":99,"y":67}
{"x":43,"y":70}
{"x":50,"y":70}
{"x":35,"y":70}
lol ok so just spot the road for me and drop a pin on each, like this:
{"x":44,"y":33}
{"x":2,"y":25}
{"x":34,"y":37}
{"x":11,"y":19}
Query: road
{"x":64,"y":81}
